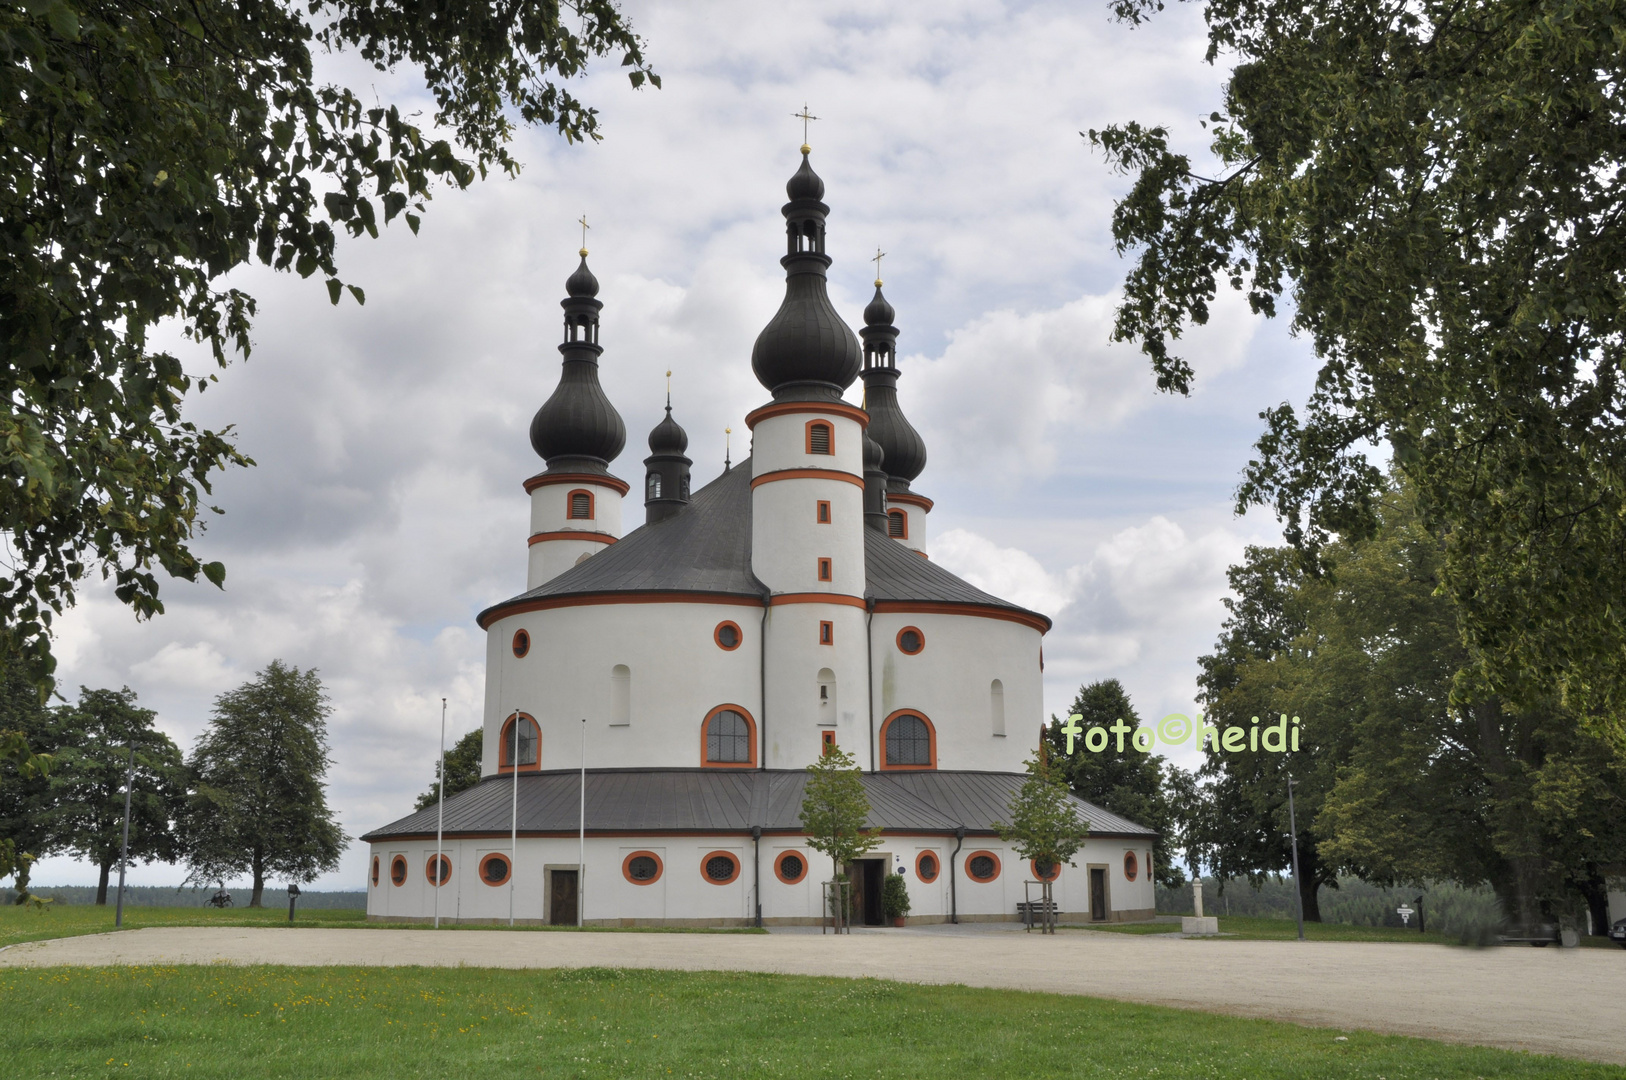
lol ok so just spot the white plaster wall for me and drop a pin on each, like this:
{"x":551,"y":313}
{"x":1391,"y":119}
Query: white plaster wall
{"x":780,"y":442}
{"x":787,"y":541}
{"x":916,"y":540}
{"x":949,"y":683}
{"x":550,"y":507}
{"x":795,"y":659}
{"x":550,"y":558}
{"x":678,"y":674}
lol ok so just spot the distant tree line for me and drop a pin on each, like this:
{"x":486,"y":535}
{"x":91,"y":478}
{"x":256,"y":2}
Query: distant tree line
{"x":249,"y":800}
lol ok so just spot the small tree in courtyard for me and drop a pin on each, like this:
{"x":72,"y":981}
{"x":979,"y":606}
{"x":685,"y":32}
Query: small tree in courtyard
{"x":1045,"y":825}
{"x":835,"y":810}
{"x":259,"y":805}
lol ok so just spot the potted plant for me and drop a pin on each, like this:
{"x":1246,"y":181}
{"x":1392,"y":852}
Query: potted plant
{"x":895,"y":899}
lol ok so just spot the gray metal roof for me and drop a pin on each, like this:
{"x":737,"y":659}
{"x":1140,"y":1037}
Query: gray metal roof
{"x":706,"y":548}
{"x":728,"y":801}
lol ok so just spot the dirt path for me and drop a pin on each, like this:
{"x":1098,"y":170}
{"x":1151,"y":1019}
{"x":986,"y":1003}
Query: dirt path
{"x":1555,"y":1001}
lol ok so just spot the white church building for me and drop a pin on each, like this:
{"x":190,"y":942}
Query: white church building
{"x":701,"y":661}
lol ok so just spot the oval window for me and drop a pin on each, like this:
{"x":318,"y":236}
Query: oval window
{"x":790,"y":867}
{"x":1044,"y":871}
{"x":522,"y":643}
{"x":910,"y":640}
{"x":720,"y":867}
{"x":375,"y":869}
{"x":727,"y":635}
{"x":926,"y":866}
{"x":494,"y":869}
{"x":1131,"y":865}
{"x":982,"y":866}
{"x":445,"y":869}
{"x":398,"y":870}
{"x":642,"y":868}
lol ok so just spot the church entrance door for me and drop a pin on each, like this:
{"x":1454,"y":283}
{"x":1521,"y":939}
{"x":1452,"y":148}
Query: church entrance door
{"x":562,"y":902}
{"x":1098,"y":894}
{"x":868,"y":877}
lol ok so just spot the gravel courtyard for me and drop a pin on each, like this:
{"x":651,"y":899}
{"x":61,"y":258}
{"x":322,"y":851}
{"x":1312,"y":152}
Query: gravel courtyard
{"x":1554,"y":1001}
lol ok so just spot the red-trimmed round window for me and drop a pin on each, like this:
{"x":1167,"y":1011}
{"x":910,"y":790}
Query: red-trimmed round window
{"x":522,"y":643}
{"x":911,"y":642}
{"x":927,"y":867}
{"x":445,"y":870}
{"x":720,"y":867}
{"x":982,"y":866}
{"x":495,"y":869}
{"x":642,"y":868}
{"x":1045,"y":871}
{"x":398,"y":870}
{"x":1131,"y":866}
{"x":375,"y":869}
{"x":728,"y":635}
{"x":790,"y":867}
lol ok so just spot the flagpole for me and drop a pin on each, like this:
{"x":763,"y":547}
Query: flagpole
{"x":440,"y":815}
{"x":581,"y":849}
{"x":513,"y":842}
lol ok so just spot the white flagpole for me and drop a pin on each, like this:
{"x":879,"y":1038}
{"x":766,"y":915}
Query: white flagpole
{"x":581,"y":850}
{"x":440,"y":815}
{"x":513,"y":842}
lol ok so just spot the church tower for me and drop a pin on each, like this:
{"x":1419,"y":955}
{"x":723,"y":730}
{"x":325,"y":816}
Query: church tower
{"x":807,"y":513}
{"x":575,"y":502}
{"x":666,"y":469}
{"x":903,"y":451}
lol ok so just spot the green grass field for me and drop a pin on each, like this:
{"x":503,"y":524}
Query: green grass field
{"x":415,"y":1022}
{"x":1253,"y":928}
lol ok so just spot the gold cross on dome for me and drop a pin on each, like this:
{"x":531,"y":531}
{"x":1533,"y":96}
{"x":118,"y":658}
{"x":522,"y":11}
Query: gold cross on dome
{"x":804,"y":116}
{"x":879,"y":255}
{"x":582,"y":221}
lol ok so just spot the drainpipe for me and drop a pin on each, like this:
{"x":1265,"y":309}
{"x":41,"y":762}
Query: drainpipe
{"x":762,"y":684}
{"x":954,"y":895}
{"x":756,"y":868}
{"x":869,"y":672}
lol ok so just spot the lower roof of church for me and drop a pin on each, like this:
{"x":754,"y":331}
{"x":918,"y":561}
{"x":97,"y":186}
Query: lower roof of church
{"x":706,"y":548}
{"x":733,"y":801}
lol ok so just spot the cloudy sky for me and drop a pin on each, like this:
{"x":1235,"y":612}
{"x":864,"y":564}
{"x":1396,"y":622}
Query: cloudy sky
{"x":386,"y":507}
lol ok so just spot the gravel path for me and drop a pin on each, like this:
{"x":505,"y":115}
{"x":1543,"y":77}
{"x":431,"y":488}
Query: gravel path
{"x":1554,"y":1001}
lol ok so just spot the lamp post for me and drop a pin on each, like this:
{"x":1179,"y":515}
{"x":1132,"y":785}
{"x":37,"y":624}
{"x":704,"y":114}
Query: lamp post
{"x":1293,"y":827}
{"x":124,"y":847}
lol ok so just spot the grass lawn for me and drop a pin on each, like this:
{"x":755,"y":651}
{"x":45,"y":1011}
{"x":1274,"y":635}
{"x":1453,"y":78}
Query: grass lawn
{"x":273,"y":1022}
{"x":1247,"y":928}
{"x":19,"y":924}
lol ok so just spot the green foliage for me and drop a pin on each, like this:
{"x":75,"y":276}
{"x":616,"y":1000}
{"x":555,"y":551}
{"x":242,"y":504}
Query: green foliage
{"x":29,"y":733}
{"x":835,"y":809}
{"x":86,"y":790}
{"x":462,"y":769}
{"x":1139,"y":786}
{"x":259,"y":805}
{"x":151,"y":148}
{"x":1045,"y":825}
{"x":895,"y":897}
{"x":1433,"y":191}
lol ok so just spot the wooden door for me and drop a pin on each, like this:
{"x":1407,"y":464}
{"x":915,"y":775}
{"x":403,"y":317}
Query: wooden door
{"x":562,"y":907}
{"x":1098,"y":894}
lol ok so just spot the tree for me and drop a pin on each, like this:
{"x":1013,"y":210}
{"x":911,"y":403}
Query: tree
{"x":86,"y":791}
{"x":152,"y":147}
{"x":1126,"y":782}
{"x":258,"y":804}
{"x":462,"y":769}
{"x":1045,"y":826}
{"x":27,"y":734}
{"x":835,"y":810}
{"x":1433,"y":190}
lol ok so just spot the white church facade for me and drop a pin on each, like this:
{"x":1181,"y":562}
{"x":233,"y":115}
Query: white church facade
{"x":700,"y":662}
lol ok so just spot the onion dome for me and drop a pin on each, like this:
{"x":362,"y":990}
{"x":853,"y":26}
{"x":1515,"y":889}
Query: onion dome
{"x":577,"y":429}
{"x":874,"y":485}
{"x":668,"y":437}
{"x":666,"y":469}
{"x":905,"y":450}
{"x":806,"y":352}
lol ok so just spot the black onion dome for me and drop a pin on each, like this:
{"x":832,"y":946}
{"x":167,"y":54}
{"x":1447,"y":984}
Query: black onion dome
{"x":577,"y":428}
{"x":879,"y":312}
{"x":668,"y":437}
{"x":904,"y":449}
{"x":806,"y":351}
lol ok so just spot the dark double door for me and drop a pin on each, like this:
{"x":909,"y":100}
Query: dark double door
{"x":563,"y":896}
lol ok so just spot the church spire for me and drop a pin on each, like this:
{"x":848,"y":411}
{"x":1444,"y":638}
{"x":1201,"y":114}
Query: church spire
{"x":666,"y":469}
{"x":577,"y":429}
{"x":903,"y":450}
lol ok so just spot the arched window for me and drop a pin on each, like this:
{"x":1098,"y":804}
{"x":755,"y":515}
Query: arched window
{"x":652,"y":486}
{"x":720,"y":867}
{"x":982,"y":866}
{"x":445,"y":868}
{"x":897,"y":524}
{"x":398,"y":870}
{"x":581,"y":505}
{"x":620,"y":696}
{"x":996,"y":707}
{"x":927,"y":867}
{"x":729,"y":738}
{"x":790,"y":867}
{"x":528,"y":751}
{"x":494,"y":869}
{"x":827,"y":697}
{"x":642,"y":868}
{"x":908,"y":742}
{"x":819,"y":439}
{"x":1131,"y":866}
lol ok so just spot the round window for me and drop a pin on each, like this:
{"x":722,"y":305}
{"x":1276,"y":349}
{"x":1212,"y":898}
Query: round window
{"x":1131,"y":865}
{"x":642,"y":868}
{"x":911,"y":640}
{"x":982,"y":866}
{"x":728,"y":636}
{"x":926,"y":866}
{"x":522,"y":643}
{"x":445,"y":870}
{"x":790,"y":867}
{"x":494,"y":869}
{"x":398,"y":870}
{"x":720,"y":867}
{"x":1045,"y":871}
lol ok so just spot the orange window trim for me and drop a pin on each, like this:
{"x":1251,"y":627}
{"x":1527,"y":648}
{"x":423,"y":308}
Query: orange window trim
{"x":1131,"y":866}
{"x":398,"y":871}
{"x":505,"y":745}
{"x":614,"y":483}
{"x":936,"y":859}
{"x":570,"y":506}
{"x":917,"y":631}
{"x":829,"y":437}
{"x":931,"y":733}
{"x":779,"y":867}
{"x":571,"y":534}
{"x":751,"y":731}
{"x":717,"y":635}
{"x":823,"y":408}
{"x":827,"y":742}
{"x":1055,"y":871}
{"x":903,"y":524}
{"x":806,"y":474}
{"x":822,"y":515}
{"x":710,"y":855}
{"x":827,"y":632}
{"x":507,"y":873}
{"x":982,"y":880}
{"x":522,"y":643}
{"x":626,"y":867}
{"x":429,"y":870}
{"x":826,"y":570}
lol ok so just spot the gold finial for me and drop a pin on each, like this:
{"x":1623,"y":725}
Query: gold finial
{"x":804,"y":116}
{"x":668,"y":390}
{"x":879,"y":255}
{"x":582,"y":221}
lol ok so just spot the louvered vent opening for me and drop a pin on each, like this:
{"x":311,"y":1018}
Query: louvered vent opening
{"x":818,"y":439}
{"x":581,"y":505}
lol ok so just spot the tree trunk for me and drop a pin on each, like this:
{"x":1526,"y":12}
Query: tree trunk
{"x":101,"y":885}
{"x":1596,"y":891}
{"x":1309,"y":878}
{"x":259,"y":881}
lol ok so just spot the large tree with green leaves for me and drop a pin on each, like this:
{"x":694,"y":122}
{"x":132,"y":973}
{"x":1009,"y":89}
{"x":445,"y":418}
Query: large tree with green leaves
{"x":28,"y":732}
{"x":835,"y":809}
{"x":149,"y":148}
{"x":259,"y":805}
{"x":1045,"y":825}
{"x":462,"y":769}
{"x":101,"y":736}
{"x":1433,"y":191}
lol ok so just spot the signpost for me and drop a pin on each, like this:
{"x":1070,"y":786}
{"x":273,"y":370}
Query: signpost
{"x":1405,"y":912}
